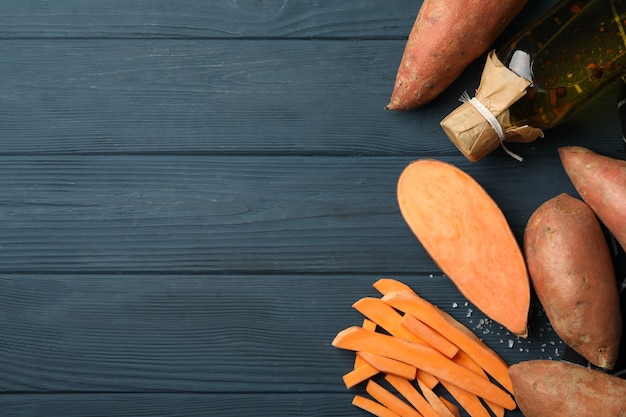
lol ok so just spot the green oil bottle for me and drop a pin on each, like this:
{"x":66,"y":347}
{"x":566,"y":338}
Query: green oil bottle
{"x":544,"y":74}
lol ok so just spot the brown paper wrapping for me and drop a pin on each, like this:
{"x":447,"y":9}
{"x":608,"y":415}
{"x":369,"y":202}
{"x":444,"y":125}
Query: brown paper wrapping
{"x":468,"y":129}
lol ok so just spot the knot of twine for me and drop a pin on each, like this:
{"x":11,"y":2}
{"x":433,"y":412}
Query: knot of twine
{"x":492,"y":120}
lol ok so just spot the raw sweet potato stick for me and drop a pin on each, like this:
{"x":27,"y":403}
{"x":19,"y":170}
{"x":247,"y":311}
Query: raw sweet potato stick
{"x":428,"y":334}
{"x":386,"y":317}
{"x":441,"y":408}
{"x":388,"y":365}
{"x":390,"y":400}
{"x":370,"y":325}
{"x":453,"y":331}
{"x":362,"y":373}
{"x":408,"y":391}
{"x":423,"y":357}
{"x":465,"y":360}
{"x":373,"y":407}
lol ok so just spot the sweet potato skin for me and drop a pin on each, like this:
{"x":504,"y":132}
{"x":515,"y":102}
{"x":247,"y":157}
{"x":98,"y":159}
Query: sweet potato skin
{"x":601,"y":182}
{"x":572,"y":272}
{"x":446,"y":37}
{"x":545,"y":388}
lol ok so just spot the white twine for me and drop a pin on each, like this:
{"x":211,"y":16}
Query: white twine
{"x":493,"y":121}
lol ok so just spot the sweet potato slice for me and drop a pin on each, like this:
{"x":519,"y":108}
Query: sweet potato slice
{"x":545,"y":388}
{"x":388,"y":365}
{"x":372,"y":407}
{"x":408,"y":391}
{"x":423,"y":357}
{"x":455,"y":332}
{"x":446,"y":37}
{"x":432,"y":337}
{"x":390,"y":400}
{"x":468,"y":237}
{"x":572,"y":272}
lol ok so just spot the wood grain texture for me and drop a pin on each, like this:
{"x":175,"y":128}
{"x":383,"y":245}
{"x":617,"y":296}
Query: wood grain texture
{"x":193,"y":194}
{"x":275,"y":19}
{"x":238,"y":214}
{"x":233,"y":97}
{"x":206,"y":333}
{"x":180,"y":405}
{"x":206,"y":19}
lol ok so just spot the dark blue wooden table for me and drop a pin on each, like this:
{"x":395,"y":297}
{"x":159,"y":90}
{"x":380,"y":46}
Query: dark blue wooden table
{"x":193,"y":194}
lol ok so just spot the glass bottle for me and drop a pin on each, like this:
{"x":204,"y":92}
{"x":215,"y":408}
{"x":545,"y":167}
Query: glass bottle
{"x":568,"y":56}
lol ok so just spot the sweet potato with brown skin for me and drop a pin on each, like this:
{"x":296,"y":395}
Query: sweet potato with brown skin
{"x":601,"y":182}
{"x":544,"y":388}
{"x":571,"y":269}
{"x":446,"y":37}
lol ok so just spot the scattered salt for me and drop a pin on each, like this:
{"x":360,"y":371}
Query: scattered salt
{"x":454,"y":305}
{"x":511,"y":342}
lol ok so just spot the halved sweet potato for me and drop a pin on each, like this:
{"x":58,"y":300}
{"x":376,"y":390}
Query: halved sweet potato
{"x":468,"y":237}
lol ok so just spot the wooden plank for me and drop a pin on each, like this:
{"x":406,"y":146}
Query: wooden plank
{"x":206,"y":19}
{"x":184,"y":405}
{"x":224,"y":97}
{"x":205,"y":97}
{"x":280,"y":19}
{"x":180,"y":405}
{"x":231,"y":214}
{"x":205,"y":333}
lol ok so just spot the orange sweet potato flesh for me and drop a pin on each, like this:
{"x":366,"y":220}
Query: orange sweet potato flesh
{"x":545,"y":388}
{"x":468,"y":237}
{"x":446,"y":37}
{"x":601,"y":182}
{"x":572,"y":273}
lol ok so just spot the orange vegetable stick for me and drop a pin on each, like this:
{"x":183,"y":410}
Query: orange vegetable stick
{"x":453,"y":408}
{"x":373,"y":407}
{"x":360,"y":374}
{"x":408,"y":391}
{"x":441,"y":409}
{"x":430,"y":335}
{"x":387,"y":285}
{"x":470,"y":402}
{"x":422,"y":357}
{"x":367,"y":324}
{"x":465,"y":360}
{"x":455,"y":332}
{"x":386,"y":317}
{"x":390,"y":400}
{"x":468,"y":237}
{"x":427,"y":378}
{"x":388,"y":365}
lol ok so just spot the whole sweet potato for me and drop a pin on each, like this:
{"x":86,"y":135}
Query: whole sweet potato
{"x":571,"y":269}
{"x":446,"y":37}
{"x":544,"y":388}
{"x":601,"y":182}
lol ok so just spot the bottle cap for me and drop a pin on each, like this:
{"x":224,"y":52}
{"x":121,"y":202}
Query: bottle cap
{"x":481,"y":124}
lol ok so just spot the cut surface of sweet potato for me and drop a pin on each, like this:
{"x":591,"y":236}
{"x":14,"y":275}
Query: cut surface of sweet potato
{"x":468,"y":237}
